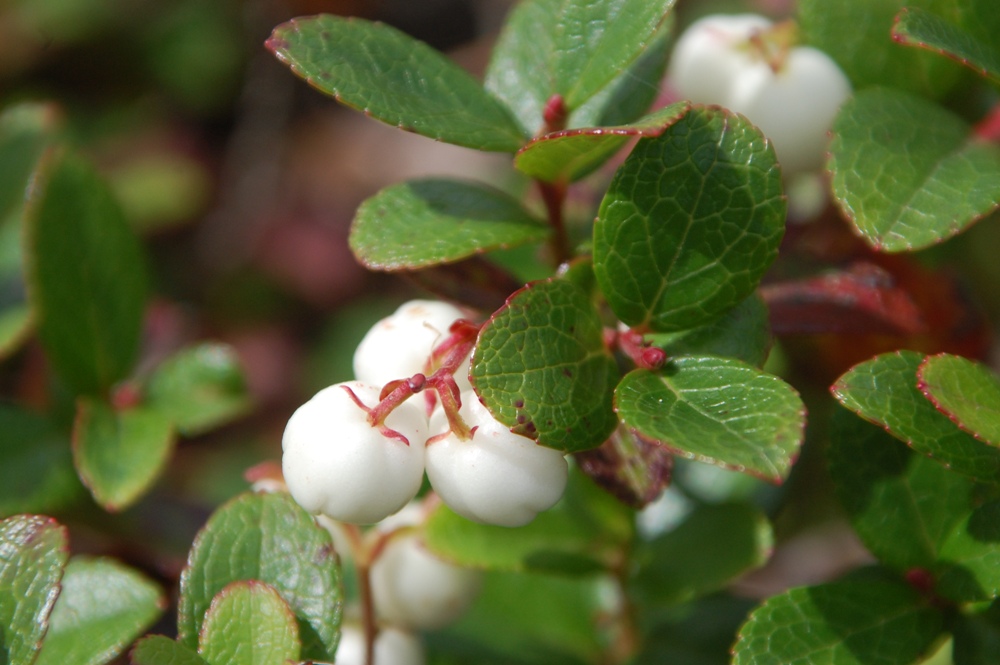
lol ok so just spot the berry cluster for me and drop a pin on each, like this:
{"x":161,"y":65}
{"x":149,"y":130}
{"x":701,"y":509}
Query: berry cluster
{"x":357,"y":451}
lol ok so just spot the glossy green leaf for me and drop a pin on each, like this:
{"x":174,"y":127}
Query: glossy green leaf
{"x":199,"y":388}
{"x":571,"y":154}
{"x":86,"y":275}
{"x":857,"y":35}
{"x":37,"y":474}
{"x":427,"y":222}
{"x":912,"y":512}
{"x":710,"y":548}
{"x":33,"y":552}
{"x":248,"y":623}
{"x":585,"y":532}
{"x":119,"y":454}
{"x":573,"y":48}
{"x":394,"y":78}
{"x":743,"y":332}
{"x":541,"y":367}
{"x":965,"y":391}
{"x":103,"y":606}
{"x":690,"y":222}
{"x":160,"y":650}
{"x":917,"y":27}
{"x":884,"y":391}
{"x":717,"y":410}
{"x":854,"y":622}
{"x":266,"y":537}
{"x":907,"y":173}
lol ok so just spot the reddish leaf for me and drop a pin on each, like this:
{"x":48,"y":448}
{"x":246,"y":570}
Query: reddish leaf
{"x":629,"y":466}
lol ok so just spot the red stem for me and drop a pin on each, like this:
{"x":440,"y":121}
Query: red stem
{"x":554,"y":196}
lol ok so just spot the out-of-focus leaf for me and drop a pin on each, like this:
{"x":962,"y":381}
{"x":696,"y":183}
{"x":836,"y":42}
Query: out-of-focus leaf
{"x":628,"y":466}
{"x":716,"y":410}
{"x":266,"y":537}
{"x":690,"y":222}
{"x":33,"y":553}
{"x":119,"y":453}
{"x":426,"y":222}
{"x":160,"y":650}
{"x":742,"y":333}
{"x":103,"y":606}
{"x":37,"y":474}
{"x":396,"y":79}
{"x":908,"y":173}
{"x":918,"y":27}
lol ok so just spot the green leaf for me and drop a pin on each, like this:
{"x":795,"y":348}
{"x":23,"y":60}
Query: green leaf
{"x":697,"y":633}
{"x":15,"y":325}
{"x":427,"y":222}
{"x":396,"y":79}
{"x":541,"y":368}
{"x":37,"y":474}
{"x":907,"y":173}
{"x":248,"y":623}
{"x":965,"y":391}
{"x":585,"y":532}
{"x":917,"y":27}
{"x":119,"y":454}
{"x":710,"y":548}
{"x":571,"y":154}
{"x":977,"y":637}
{"x":160,"y":650}
{"x":717,"y":410}
{"x":857,"y":35}
{"x":743,"y":332}
{"x":690,"y":222}
{"x":86,"y":275}
{"x":199,"y":388}
{"x":884,"y":391}
{"x":855,"y":622}
{"x":33,"y":552}
{"x":103,"y":606}
{"x":266,"y":537}
{"x":573,"y":48}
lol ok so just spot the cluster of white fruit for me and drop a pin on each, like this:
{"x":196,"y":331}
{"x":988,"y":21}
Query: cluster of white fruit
{"x":351,"y":456}
{"x":746,"y":64}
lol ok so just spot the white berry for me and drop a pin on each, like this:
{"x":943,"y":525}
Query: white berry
{"x":497,"y":477}
{"x":793,"y":100}
{"x":397,"y":347}
{"x":417,"y":590}
{"x":392,"y":647}
{"x":337,"y":464}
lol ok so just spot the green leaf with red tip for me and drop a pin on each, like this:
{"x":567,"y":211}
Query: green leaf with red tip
{"x":85,"y":273}
{"x":710,"y":548}
{"x":690,"y":223}
{"x":248,"y":623}
{"x":907,"y":173}
{"x":541,"y":367}
{"x":119,"y":453}
{"x":160,"y":650}
{"x":396,"y":79}
{"x":851,"y":622}
{"x":912,"y":512}
{"x":423,"y":223}
{"x":857,"y":35}
{"x":571,"y":48}
{"x":965,"y":391}
{"x":33,"y":553}
{"x":716,"y":410}
{"x":103,"y":606}
{"x":918,"y":27}
{"x":266,"y":537}
{"x":37,"y":474}
{"x":574,"y":153}
{"x":884,"y":391}
{"x":199,"y":388}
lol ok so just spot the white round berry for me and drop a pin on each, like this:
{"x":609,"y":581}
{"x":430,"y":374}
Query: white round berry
{"x":497,"y":477}
{"x":392,"y":647}
{"x":711,"y":54}
{"x":795,"y":106}
{"x":397,"y":347}
{"x":417,"y":590}
{"x":336,"y":463}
